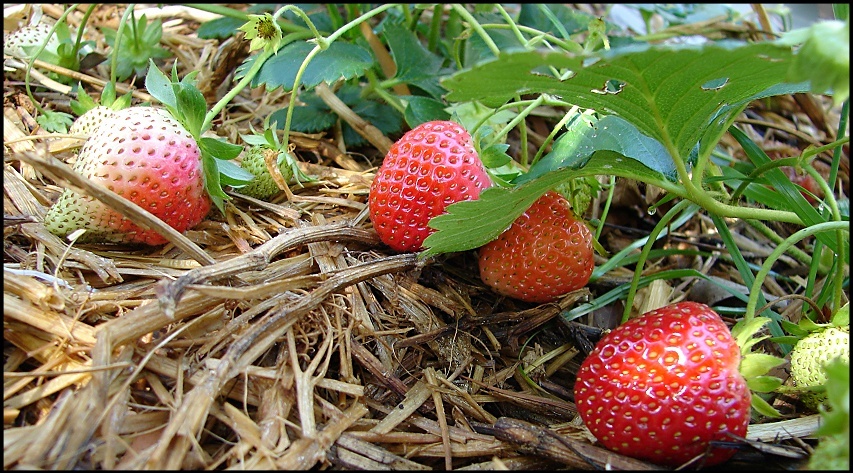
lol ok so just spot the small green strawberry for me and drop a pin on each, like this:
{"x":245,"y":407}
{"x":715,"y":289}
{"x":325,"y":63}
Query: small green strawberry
{"x":811,"y":354}
{"x":147,"y":157}
{"x":263,"y":185}
{"x":262,"y":146}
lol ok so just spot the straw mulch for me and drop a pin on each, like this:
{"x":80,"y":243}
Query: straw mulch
{"x":283,"y":334}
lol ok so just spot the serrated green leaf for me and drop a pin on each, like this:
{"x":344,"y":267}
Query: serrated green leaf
{"x":841,"y":317}
{"x":255,"y":140}
{"x":83,"y":102}
{"x":495,"y":156}
{"x":746,"y":329}
{"x":763,"y":384}
{"x":470,"y":224}
{"x":212,"y":183}
{"x":191,"y":107}
{"x":382,"y":116}
{"x":415,"y":64}
{"x":423,"y":109}
{"x":160,"y":87}
{"x":55,"y":122}
{"x":306,"y":118}
{"x":758,"y":364}
{"x":656,"y":85}
{"x":219,"y":148}
{"x":587,"y":134}
{"x":340,"y":61}
{"x":219,"y":28}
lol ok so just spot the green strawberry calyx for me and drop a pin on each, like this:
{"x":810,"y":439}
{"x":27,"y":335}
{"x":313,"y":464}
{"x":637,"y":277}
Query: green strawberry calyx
{"x":186,"y":104}
{"x":754,"y":366}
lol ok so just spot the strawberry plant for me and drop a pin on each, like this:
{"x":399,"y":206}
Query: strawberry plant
{"x":561,"y":172}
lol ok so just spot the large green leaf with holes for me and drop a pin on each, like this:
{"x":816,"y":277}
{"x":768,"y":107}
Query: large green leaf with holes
{"x":669,"y":93}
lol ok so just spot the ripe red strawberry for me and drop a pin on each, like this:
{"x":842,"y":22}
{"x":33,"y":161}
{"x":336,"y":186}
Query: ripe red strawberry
{"x":430,"y":167}
{"x":149,"y":158}
{"x":665,"y":385}
{"x":544,"y":254}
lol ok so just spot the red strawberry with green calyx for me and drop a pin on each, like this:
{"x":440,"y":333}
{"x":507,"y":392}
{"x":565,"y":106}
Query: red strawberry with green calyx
{"x":430,"y":167}
{"x":545,"y":253}
{"x":665,"y":386}
{"x":147,"y":157}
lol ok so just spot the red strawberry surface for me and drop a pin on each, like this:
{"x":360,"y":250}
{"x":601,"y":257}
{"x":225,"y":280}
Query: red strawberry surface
{"x":663,"y":386}
{"x":430,"y":167}
{"x":544,"y":254}
{"x":146,"y":156}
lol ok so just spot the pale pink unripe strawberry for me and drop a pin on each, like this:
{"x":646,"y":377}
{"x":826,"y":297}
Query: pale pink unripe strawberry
{"x":147,"y":157}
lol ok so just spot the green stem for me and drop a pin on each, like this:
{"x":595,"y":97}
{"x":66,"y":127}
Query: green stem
{"x":246,"y":80}
{"x":836,"y":156}
{"x":41,"y":48}
{"x":603,"y":218}
{"x":435,"y":27}
{"x":653,"y":236}
{"x":774,"y":237}
{"x":755,"y":290}
{"x":572,"y":113}
{"x":241,"y":15}
{"x":511,"y":24}
{"x":297,"y":81}
{"x":569,"y":46}
{"x":829,"y":198}
{"x":119,"y":34}
{"x":472,"y":22}
{"x":321,"y":41}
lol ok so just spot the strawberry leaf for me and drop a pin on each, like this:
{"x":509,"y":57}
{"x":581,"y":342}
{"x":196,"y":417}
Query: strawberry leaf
{"x":233,"y":175}
{"x":160,"y":87}
{"x":586,"y":134}
{"x":763,"y":407}
{"x":651,"y":86}
{"x":423,"y":109}
{"x":470,"y":224}
{"x":219,"y":148}
{"x":415,"y":64}
{"x":191,"y":108}
{"x":340,"y":61}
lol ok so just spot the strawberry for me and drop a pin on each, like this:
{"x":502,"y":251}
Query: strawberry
{"x":262,"y":186}
{"x":25,"y":41}
{"x":149,"y":158}
{"x":430,"y":167}
{"x":663,"y":386}
{"x":545,"y":253}
{"x":87,"y":123}
{"x":810,"y":356}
